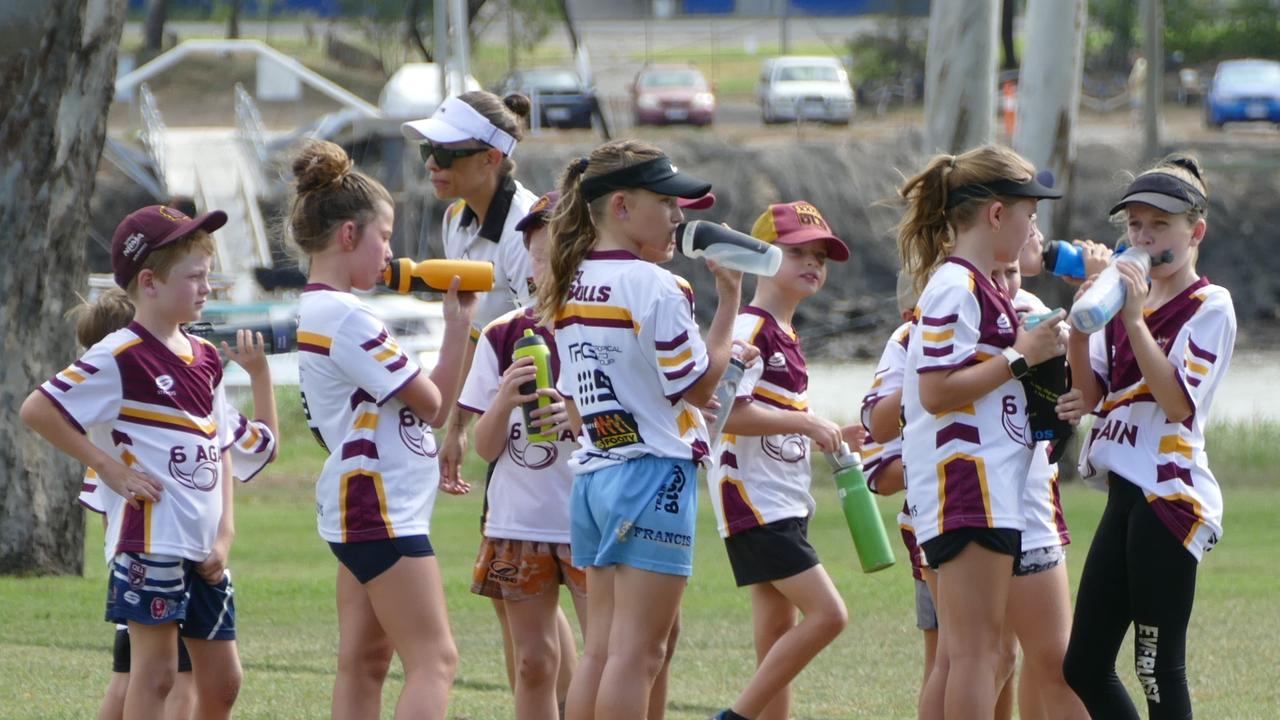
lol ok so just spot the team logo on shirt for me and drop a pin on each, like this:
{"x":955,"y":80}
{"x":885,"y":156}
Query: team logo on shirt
{"x":204,"y":474}
{"x":788,"y":448}
{"x":612,"y":429}
{"x":534,"y":456}
{"x":1009,"y":418}
{"x":414,"y":434}
{"x":164,"y":384}
{"x":137,"y":575}
{"x":1003,"y":324}
{"x":603,"y":354}
{"x":777,"y":361}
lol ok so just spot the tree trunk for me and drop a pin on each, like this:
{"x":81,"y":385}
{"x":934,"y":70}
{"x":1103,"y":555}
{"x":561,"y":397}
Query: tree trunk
{"x":1049,"y":98}
{"x":233,"y":21}
{"x":412,"y":33}
{"x":56,"y":81}
{"x":1009,"y":59}
{"x":157,"y":13}
{"x":960,"y":74}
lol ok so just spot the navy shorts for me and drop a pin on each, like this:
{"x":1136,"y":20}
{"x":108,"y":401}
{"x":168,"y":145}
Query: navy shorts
{"x":368,"y":560}
{"x":945,"y":547}
{"x":152,"y":589}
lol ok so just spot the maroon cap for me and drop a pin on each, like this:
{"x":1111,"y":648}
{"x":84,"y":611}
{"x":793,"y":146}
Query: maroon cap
{"x":539,"y":213}
{"x":149,"y":229}
{"x":795,"y":223}
{"x":698,"y":203}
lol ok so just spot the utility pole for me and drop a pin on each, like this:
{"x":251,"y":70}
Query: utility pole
{"x":461,"y":44}
{"x":784,"y":28}
{"x":960,"y":74}
{"x":1153,"y":48}
{"x":440,"y":29}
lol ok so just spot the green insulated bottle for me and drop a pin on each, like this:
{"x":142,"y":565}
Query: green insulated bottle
{"x":869,"y":537}
{"x":534,"y":346}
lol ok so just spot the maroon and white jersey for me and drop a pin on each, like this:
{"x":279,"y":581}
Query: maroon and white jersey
{"x":1132,"y":436}
{"x":1041,"y":498}
{"x":528,"y":490}
{"x":888,"y":380}
{"x":380,"y":478}
{"x":161,"y":414}
{"x":966,"y":467}
{"x":629,"y":349}
{"x":759,"y":479}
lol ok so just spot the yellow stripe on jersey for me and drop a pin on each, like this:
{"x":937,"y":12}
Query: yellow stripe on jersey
{"x":456,"y":208}
{"x":90,"y":473}
{"x":755,"y":330}
{"x":206,"y":427}
{"x":1196,"y":367}
{"x":251,"y":438}
{"x":366,"y":421}
{"x":678,"y":360}
{"x":742,"y":493}
{"x":980,"y":467}
{"x":386,"y":355}
{"x":966,"y":409}
{"x":599,"y":312}
{"x":1195,"y":508}
{"x":1109,"y":404}
{"x":867,"y":454}
{"x":310,"y":338}
{"x":780,"y":399}
{"x":686,"y":421}
{"x":126,"y":346}
{"x":938,"y":336}
{"x":73,"y":376}
{"x":146,"y":526}
{"x":376,"y":478}
{"x":1175,"y":445}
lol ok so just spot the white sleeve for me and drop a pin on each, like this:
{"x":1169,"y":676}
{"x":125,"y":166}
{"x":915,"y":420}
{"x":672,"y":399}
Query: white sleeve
{"x":1099,"y":360}
{"x":370,"y":358}
{"x":514,"y":270}
{"x":679,"y":357}
{"x":889,"y":373}
{"x":1202,"y":351}
{"x":89,"y":391}
{"x":91,"y":489}
{"x":253,"y":444}
{"x":483,"y":379}
{"x":949,"y":320}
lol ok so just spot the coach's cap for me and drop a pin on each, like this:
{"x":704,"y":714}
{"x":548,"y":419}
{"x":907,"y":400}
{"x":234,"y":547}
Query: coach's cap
{"x":149,"y":229}
{"x":698,"y":203}
{"x":539,"y":213}
{"x":658,"y":175}
{"x":454,"y":121}
{"x":796,"y":223}
{"x":1163,"y":192}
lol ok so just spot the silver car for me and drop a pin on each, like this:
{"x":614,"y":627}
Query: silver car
{"x":805,"y":88}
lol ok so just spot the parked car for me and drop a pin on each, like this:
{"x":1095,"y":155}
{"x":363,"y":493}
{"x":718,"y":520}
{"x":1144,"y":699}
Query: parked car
{"x":1243,"y":91}
{"x":668,"y":94}
{"x":414,"y":91}
{"x":561,"y":96}
{"x":809,"y":88}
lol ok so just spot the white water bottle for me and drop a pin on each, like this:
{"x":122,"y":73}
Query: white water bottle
{"x":1106,"y":296}
{"x":728,"y":247}
{"x":726,"y":394}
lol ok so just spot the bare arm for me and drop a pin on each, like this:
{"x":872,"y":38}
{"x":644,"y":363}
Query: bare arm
{"x":719,"y":335}
{"x":249,"y":353}
{"x":752,"y":418}
{"x":890,"y":479}
{"x":886,"y":417}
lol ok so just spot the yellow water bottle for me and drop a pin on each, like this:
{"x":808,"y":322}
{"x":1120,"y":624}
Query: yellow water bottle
{"x":405,"y":276}
{"x":532,"y":345}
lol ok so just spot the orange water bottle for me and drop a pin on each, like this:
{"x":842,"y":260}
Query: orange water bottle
{"x":405,"y":276}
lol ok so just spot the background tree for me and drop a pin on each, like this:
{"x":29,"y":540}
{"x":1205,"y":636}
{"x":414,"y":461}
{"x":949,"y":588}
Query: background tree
{"x":57,"y":73}
{"x":960,"y":75}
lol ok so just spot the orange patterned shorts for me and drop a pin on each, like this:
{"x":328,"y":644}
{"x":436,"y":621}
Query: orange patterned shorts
{"x":522,"y":569}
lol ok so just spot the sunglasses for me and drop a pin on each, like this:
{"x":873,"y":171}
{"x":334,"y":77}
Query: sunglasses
{"x":445,"y":156}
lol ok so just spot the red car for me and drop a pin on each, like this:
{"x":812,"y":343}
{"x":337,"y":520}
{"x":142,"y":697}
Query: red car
{"x":669,"y":94}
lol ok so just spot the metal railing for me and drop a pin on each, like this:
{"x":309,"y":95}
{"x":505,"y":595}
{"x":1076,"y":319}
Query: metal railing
{"x":250,"y":130}
{"x":153,"y":134}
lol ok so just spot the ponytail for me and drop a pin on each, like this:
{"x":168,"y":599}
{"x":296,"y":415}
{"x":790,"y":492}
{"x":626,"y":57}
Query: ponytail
{"x":98,"y":319}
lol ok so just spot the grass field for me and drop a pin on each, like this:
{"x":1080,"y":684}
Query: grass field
{"x":54,"y":647}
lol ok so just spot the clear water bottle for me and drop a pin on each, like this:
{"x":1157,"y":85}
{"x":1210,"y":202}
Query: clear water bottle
{"x":1105,"y":297}
{"x":726,"y":394}
{"x":728,"y":247}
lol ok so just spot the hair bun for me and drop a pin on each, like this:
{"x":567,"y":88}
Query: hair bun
{"x":518,"y":104}
{"x":1186,"y":162}
{"x":319,"y":165}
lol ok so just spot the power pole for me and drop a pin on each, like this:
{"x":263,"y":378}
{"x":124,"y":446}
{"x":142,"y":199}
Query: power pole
{"x":960,"y":74}
{"x":461,"y":47}
{"x":1153,"y":48}
{"x":440,"y":29}
{"x":1049,"y":96}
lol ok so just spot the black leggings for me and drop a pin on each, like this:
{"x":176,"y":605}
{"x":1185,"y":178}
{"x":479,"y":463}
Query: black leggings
{"x":1137,"y":573}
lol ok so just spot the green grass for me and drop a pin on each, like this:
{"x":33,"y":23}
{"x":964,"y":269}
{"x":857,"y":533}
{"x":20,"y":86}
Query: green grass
{"x":55,"y":649}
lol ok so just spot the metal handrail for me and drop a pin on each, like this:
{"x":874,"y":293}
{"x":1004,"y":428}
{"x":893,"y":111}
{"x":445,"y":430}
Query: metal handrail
{"x":249,"y":128}
{"x":153,"y":134}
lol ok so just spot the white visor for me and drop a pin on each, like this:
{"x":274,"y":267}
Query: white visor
{"x":455,"y":121}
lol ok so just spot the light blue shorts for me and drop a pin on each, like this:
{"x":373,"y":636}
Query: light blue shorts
{"x":641,"y":513}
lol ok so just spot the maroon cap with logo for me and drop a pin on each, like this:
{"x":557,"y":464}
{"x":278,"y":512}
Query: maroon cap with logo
{"x":539,"y":213}
{"x":149,"y":229}
{"x":796,"y":223}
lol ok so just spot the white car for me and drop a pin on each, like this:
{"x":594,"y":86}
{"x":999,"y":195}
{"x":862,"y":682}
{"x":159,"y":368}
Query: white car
{"x":805,"y":88}
{"x":414,"y":91}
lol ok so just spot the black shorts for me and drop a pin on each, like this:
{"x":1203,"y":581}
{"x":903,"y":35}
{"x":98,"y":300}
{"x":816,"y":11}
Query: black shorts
{"x":946,"y":546}
{"x":773,"y":551}
{"x":120,"y":653}
{"x":368,"y":560}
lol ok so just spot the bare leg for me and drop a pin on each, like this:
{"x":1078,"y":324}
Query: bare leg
{"x":153,"y":669}
{"x":581,"y":703}
{"x":508,"y":653}
{"x":112,"y":707}
{"x":364,"y":653}
{"x":1040,"y":613}
{"x":933,"y":692}
{"x":535,"y":638}
{"x":973,"y":589}
{"x":215,"y":668}
{"x":658,"y":696}
{"x":568,"y":655}
{"x":644,"y":607}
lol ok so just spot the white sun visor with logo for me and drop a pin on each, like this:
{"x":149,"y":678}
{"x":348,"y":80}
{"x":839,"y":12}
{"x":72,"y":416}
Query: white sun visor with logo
{"x":455,"y":121}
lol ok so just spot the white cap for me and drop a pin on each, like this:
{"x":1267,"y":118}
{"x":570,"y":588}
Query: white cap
{"x":455,"y":121}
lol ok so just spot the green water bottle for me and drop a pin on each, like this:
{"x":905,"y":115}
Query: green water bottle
{"x":860,"y":511}
{"x":532,"y":345}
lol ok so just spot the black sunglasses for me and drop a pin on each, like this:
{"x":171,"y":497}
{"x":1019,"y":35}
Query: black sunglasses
{"x":445,"y":156}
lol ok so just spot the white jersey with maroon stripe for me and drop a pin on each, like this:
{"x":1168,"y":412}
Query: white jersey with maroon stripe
{"x":966,"y":467}
{"x":629,"y":349}
{"x":1041,"y":498}
{"x":1133,"y":438}
{"x":759,"y":479}
{"x":252,"y":447}
{"x":162,"y":415}
{"x":528,"y":490}
{"x":380,"y":478}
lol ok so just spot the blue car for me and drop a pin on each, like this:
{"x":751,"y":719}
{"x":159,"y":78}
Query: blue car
{"x":1243,"y":91}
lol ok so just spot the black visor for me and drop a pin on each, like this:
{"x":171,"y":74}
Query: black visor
{"x":1033,"y":188}
{"x":658,"y":175}
{"x":1163,"y":192}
